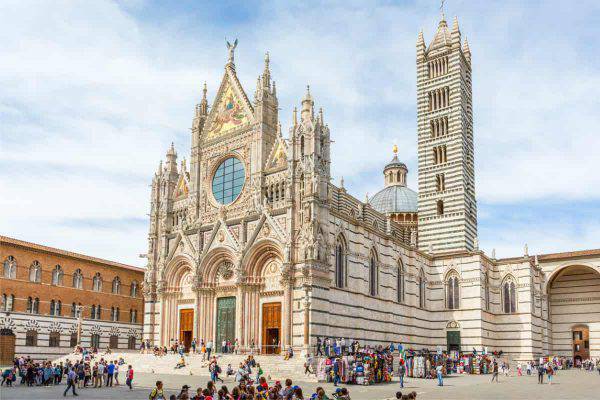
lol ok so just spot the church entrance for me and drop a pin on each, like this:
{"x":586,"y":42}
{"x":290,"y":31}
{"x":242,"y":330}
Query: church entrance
{"x":225,"y":320}
{"x":186,"y":327}
{"x":271,"y":328}
{"x":453,"y":340}
{"x":7,"y":346}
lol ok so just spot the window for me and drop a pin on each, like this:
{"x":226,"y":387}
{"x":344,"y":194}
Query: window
{"x":33,"y":305}
{"x":73,"y":340}
{"x":438,"y":127}
{"x":373,"y":275}
{"x":440,"y":207}
{"x":96,"y":312}
{"x":78,"y":279}
{"x":95,"y":340}
{"x":73,"y":310}
{"x":113,"y":342}
{"x":486,"y":290}
{"x":54,"y":339}
{"x":577,"y":335}
{"x":10,"y":268}
{"x":302,"y":146}
{"x":8,"y":302}
{"x":97,"y":282}
{"x":439,"y":154}
{"x":52,"y":304}
{"x":57,"y":275}
{"x":58,"y":308}
{"x":35,"y":272}
{"x":437,"y":67}
{"x":228,"y":180}
{"x":509,"y":295}
{"x":133,"y":316}
{"x":93,"y":311}
{"x":31,"y":338}
{"x":340,"y":263}
{"x":439,"y":98}
{"x":421,"y":283}
{"x":452,"y":292}
{"x":440,"y":182}
{"x":116,"y":285}
{"x":133,"y":289}
{"x":400,"y":283}
{"x":131,"y":345}
{"x":114,"y":314}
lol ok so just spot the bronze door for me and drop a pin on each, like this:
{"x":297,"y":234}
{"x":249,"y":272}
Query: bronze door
{"x":225,"y":321}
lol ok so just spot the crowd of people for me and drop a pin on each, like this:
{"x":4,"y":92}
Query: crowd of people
{"x":88,"y":372}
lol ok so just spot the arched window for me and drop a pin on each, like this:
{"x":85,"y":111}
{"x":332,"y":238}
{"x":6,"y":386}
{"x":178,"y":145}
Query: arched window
{"x":10,"y":268}
{"x":57,"y":275}
{"x":302,"y":146}
{"x":340,"y":263}
{"x":116,"y":285}
{"x":486,"y":290}
{"x":35,"y":272}
{"x":95,"y":340}
{"x":422,"y":293}
{"x":73,"y":309}
{"x":93,"y":311}
{"x":36,"y":305}
{"x":97,"y":282}
{"x":114,"y":313}
{"x":113,"y":341}
{"x":58,"y":308}
{"x":373,"y":275}
{"x":133,"y":316}
{"x":400,"y":283}
{"x":440,"y":207}
{"x":452,"y":292}
{"x":78,"y":279}
{"x":73,"y":340}
{"x":509,"y":295}
{"x":98,"y":312}
{"x":133,"y":289}
{"x":8,"y":302}
{"x":131,"y":343}
{"x":30,"y":305}
{"x":52,"y":304}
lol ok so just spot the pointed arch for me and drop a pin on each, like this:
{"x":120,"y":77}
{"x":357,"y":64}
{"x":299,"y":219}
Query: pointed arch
{"x":373,"y":273}
{"x":10,"y":268}
{"x":212,"y":260}
{"x":400,"y":283}
{"x":341,"y":261}
{"x":452,"y":284}
{"x":422,"y":283}
{"x":509,"y":294}
{"x":57,"y":275}
{"x":78,"y":279}
{"x":35,"y":272}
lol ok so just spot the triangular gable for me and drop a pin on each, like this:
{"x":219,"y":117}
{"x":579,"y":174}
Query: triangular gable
{"x":278,"y":155}
{"x":181,"y":190}
{"x":231,"y":109}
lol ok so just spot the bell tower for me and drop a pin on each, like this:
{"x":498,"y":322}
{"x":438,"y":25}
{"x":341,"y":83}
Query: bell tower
{"x":447,"y":205}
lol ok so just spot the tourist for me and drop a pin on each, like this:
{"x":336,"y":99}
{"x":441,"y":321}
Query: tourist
{"x":319,"y":344}
{"x":157,"y":393}
{"x":528,"y":368}
{"x":401,"y":373}
{"x":259,"y":372}
{"x":71,"y":381}
{"x":495,"y":372}
{"x":215,"y":370}
{"x":110,"y":370}
{"x":116,"y":373}
{"x":194,"y":345}
{"x":209,"y":346}
{"x":129,"y":377}
{"x":541,"y":370}
{"x":439,"y":369}
{"x":549,"y":372}
{"x":180,"y":364}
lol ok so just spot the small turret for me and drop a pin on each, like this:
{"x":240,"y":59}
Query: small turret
{"x":467,"y":50}
{"x":171,"y":159}
{"x":395,"y":171}
{"x":420,"y":46}
{"x":307,"y":106}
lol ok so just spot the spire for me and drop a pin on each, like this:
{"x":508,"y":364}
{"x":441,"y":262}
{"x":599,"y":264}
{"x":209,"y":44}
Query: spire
{"x":266,"y":77}
{"x":172,"y":159}
{"x":420,"y":46}
{"x":274,"y":90}
{"x":204,"y":102}
{"x":295,"y":116}
{"x":455,"y":34}
{"x":467,"y":50}
{"x":455,"y":25}
{"x":442,"y":36}
{"x":307,"y":105}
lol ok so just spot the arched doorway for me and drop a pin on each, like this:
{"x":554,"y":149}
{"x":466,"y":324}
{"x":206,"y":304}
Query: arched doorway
{"x":573,"y":311}
{"x":7,"y":346}
{"x":453,"y":336}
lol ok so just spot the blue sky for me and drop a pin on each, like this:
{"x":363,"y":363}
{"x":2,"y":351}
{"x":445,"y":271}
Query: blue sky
{"x":94,"y":92}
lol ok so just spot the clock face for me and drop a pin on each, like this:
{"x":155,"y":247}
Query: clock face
{"x":228,"y":181}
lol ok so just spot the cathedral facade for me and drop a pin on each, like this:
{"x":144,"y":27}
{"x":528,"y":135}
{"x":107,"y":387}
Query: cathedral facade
{"x":253,"y":242}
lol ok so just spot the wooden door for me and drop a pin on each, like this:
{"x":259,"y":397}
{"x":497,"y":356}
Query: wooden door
{"x":7,"y":346}
{"x":225,"y":320}
{"x":271,"y":328}
{"x":186,"y":327}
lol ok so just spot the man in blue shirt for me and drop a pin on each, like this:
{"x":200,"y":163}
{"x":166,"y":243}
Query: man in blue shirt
{"x":71,"y":380}
{"x":111,"y":370}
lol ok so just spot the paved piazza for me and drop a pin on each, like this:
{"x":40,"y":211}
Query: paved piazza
{"x":572,"y":384}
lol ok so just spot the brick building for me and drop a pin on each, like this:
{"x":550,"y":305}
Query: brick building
{"x":42,"y":288}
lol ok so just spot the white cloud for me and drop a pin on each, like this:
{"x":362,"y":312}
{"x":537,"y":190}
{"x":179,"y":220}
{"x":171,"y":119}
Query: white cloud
{"x":92,"y":93}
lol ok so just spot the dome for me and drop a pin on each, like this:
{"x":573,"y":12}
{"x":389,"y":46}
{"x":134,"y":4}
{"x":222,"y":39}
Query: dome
{"x":395,"y":199}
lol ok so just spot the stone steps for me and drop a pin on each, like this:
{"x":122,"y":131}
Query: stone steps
{"x":273,"y":366}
